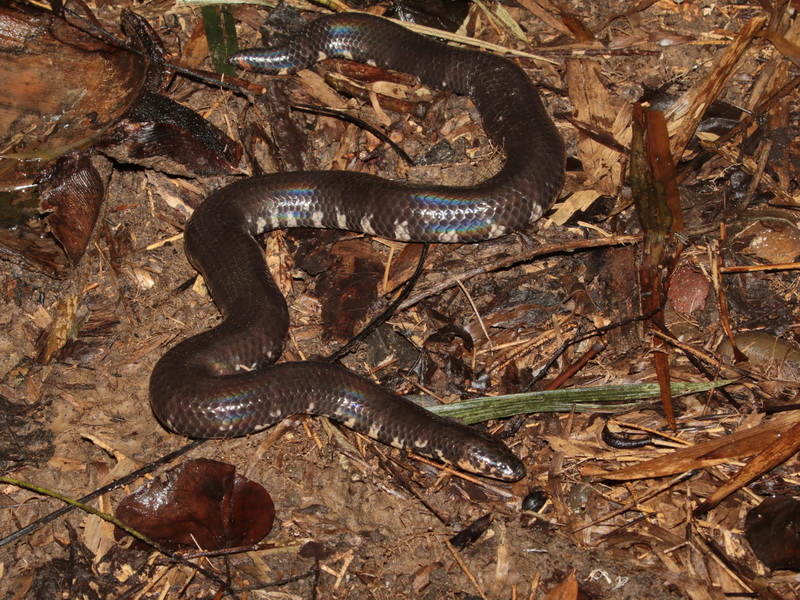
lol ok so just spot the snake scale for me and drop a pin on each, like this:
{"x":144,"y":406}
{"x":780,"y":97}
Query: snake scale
{"x":222,"y":382}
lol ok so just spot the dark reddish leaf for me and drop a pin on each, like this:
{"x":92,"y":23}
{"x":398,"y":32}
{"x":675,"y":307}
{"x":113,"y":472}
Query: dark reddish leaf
{"x":200,"y":503}
{"x":350,"y":288}
{"x":773,"y":530}
{"x":688,"y":290}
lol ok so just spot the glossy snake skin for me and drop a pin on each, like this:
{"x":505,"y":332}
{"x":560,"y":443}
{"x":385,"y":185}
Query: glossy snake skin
{"x":222,"y":383}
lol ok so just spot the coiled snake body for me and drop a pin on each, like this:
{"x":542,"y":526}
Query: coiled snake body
{"x":221,"y":383}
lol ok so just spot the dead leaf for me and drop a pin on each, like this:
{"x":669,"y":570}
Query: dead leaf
{"x":471,"y":533}
{"x":778,"y":452}
{"x":595,"y":106}
{"x":773,"y":530}
{"x":566,"y":590}
{"x":71,"y":191}
{"x":685,"y":114}
{"x":737,"y":445}
{"x":200,"y":503}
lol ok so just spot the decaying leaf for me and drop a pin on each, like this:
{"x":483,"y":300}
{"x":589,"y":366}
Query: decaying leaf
{"x":71,"y":192}
{"x":67,"y":93}
{"x":158,"y":133}
{"x":200,"y":503}
{"x":566,"y":590}
{"x":773,"y":530}
{"x":472,"y":533}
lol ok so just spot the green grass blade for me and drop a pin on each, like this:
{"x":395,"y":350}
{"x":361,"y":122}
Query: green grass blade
{"x":609,"y":398}
{"x":221,"y":37}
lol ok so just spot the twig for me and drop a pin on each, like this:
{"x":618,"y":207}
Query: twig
{"x":792,"y":266}
{"x":464,"y":568}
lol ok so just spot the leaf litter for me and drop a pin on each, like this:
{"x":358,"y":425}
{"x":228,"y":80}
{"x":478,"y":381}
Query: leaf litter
{"x":355,"y":519}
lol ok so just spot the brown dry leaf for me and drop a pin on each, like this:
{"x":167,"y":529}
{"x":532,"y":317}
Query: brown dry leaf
{"x":778,"y":452}
{"x":71,"y":191}
{"x":62,"y":325}
{"x":403,"y":265}
{"x":422,"y":577}
{"x":578,"y":28}
{"x":576,"y":202}
{"x":601,"y":111}
{"x":502,"y":562}
{"x":196,"y":50}
{"x":569,"y":448}
{"x":566,"y":590}
{"x":740,"y":444}
{"x":774,"y":242}
{"x":685,"y":114}
{"x":547,"y":13}
{"x":58,"y":80}
{"x":315,"y":85}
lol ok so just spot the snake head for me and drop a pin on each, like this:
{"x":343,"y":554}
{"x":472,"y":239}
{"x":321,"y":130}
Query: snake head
{"x":493,"y":459}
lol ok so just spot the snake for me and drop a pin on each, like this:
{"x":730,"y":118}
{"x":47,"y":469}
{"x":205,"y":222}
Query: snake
{"x":225,"y":382}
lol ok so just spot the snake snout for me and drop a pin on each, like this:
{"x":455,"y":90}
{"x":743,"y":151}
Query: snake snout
{"x":493,"y":460}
